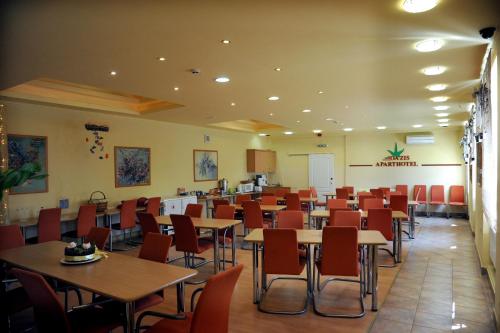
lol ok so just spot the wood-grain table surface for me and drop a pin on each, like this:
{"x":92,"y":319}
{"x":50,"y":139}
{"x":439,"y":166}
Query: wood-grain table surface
{"x":265,"y":208}
{"x":203,"y":223}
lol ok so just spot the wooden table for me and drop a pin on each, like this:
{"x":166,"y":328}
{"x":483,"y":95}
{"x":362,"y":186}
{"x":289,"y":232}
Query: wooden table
{"x":213,"y":224}
{"x":120,"y":277}
{"x":209,"y":198}
{"x":370,"y":238}
{"x":334,"y":194}
{"x":273,"y":209}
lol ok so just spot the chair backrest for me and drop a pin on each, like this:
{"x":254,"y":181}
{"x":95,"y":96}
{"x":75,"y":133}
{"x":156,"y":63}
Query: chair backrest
{"x":290,"y":219}
{"x":10,"y":237}
{"x":216,"y":295}
{"x":362,"y":199}
{"x":219,"y":202}
{"x":340,"y":251}
{"x":128,"y":214}
{"x":225,"y":212}
{"x":148,"y":224}
{"x":194,"y":210}
{"x":314,"y":192}
{"x":336,"y":203}
{"x":155,"y":247}
{"x":373,"y":203}
{"x":331,"y":218}
{"x":377,"y":192}
{"x":385,"y":190}
{"x":281,"y":251}
{"x":242,"y":197}
{"x":269,"y":200}
{"x":282,"y":192}
{"x":186,"y":239}
{"x":457,"y":194}
{"x":350,"y":189}
{"x":85,"y":220}
{"x":49,"y":312}
{"x":153,"y":206}
{"x":399,"y":202}
{"x":342,"y":193}
{"x":381,"y":219}
{"x":305,"y":193}
{"x":49,"y":225}
{"x":252,"y":215}
{"x":420,"y":193}
{"x":403,"y":189}
{"x":437,"y":193}
{"x":344,"y":218}
{"x":98,"y":236}
{"x":389,"y":194}
{"x":292,"y":201}
{"x":364,"y":193}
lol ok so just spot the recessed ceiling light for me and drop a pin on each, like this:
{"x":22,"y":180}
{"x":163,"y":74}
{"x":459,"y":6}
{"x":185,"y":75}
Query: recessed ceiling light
{"x":233,"y":103}
{"x":436,"y":87}
{"x":381,"y":127}
{"x":347,"y":106}
{"x":443,"y":114}
{"x":288,"y":133}
{"x":429,"y":45}
{"x":442,"y":120}
{"x":348,"y":129}
{"x":298,"y":121}
{"x":316,"y":131}
{"x":277,"y":69}
{"x":417,"y":126}
{"x":262,"y":134}
{"x":225,"y":41}
{"x":434,"y":70}
{"x":306,"y":110}
{"x":271,"y":114}
{"x":329,"y":119}
{"x":440,"y":99}
{"x":320,"y":92}
{"x":441,"y":107}
{"x":161,"y":58}
{"x":443,"y":125}
{"x":418,"y":6}
{"x":222,"y":79}
{"x":113,"y":73}
{"x":273,"y":98}
{"x":176,"y":88}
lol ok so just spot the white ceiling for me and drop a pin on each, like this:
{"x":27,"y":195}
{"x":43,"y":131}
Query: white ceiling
{"x":360,"y":53}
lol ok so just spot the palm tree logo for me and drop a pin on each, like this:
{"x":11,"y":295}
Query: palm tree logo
{"x":396,"y":152}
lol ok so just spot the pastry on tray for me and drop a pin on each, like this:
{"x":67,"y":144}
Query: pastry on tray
{"x":82,"y":252}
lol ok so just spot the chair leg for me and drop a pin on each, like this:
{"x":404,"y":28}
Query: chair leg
{"x":340,"y":315}
{"x":266,"y":288}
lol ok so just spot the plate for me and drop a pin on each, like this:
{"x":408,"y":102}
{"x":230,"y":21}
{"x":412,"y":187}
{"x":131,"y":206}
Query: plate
{"x":96,"y":258}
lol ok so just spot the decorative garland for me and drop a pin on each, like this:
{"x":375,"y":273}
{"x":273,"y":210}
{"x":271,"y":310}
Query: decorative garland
{"x":97,"y":142}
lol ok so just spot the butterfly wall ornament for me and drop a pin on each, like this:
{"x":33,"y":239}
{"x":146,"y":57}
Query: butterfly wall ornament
{"x":97,"y":140}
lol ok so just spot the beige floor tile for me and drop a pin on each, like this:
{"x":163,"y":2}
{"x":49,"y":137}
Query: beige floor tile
{"x":432,"y":320}
{"x":389,"y":326}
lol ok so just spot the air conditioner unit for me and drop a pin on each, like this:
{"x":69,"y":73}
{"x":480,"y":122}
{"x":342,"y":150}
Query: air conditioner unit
{"x":419,"y":139}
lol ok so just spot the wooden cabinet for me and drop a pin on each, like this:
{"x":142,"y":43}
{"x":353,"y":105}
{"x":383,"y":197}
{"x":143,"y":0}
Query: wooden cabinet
{"x":261,"y":160}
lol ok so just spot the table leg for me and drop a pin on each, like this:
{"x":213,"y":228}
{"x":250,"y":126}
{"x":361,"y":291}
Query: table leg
{"x":207,"y":204}
{"x":400,"y":240}
{"x":130,"y":317}
{"x":255,"y":275}
{"x":412,"y":221}
{"x":273,"y":218}
{"x":216,"y":251}
{"x":108,"y":218}
{"x":309,"y":215}
{"x":180,"y":297}
{"x":233,"y":245}
{"x":369,"y":270}
{"x":374,"y":276}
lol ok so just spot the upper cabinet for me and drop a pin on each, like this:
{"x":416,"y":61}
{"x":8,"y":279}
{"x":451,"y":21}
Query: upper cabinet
{"x":261,"y":160}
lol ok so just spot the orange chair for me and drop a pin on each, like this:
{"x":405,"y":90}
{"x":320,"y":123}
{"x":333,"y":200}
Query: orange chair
{"x":420,"y":193}
{"x":331,"y":218}
{"x":98,"y":236}
{"x":457,"y":197}
{"x":217,"y":203}
{"x":148,"y":224}
{"x":269,"y":200}
{"x":381,"y":219}
{"x":226,"y":212}
{"x":153,"y":206}
{"x":350,"y":189}
{"x":403,"y":189}
{"x":210,"y":314}
{"x":282,"y":192}
{"x":364,"y":193}
{"x":85,"y":220}
{"x":342,"y":193}
{"x":377,"y":192}
{"x":292,"y":201}
{"x":347,"y":219}
{"x":253,"y":216}
{"x":49,"y":225}
{"x":290,"y":219}
{"x":314,"y":193}
{"x":282,"y":256}
{"x":399,"y":202}
{"x":336,"y":203}
{"x":389,"y":194}
{"x":305,"y":193}
{"x":437,"y":197}
{"x":340,"y":257}
{"x":194,"y":210}
{"x":373,"y":203}
{"x":385,"y":190}
{"x":242,"y":197}
{"x":362,"y":199}
{"x":128,"y":211}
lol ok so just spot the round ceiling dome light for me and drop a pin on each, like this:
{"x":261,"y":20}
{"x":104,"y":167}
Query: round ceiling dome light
{"x":288,"y":133}
{"x":429,"y":45}
{"x":417,"y":125}
{"x":442,"y":114}
{"x":434,"y":70}
{"x":441,"y":107}
{"x":348,"y":129}
{"x":443,"y":125}
{"x":418,"y":6}
{"x":436,"y":87}
{"x":273,"y":98}
{"x":222,"y":79}
{"x":440,"y":99}
{"x":317,"y":131}
{"x":225,"y":41}
{"x":381,"y":127}
{"x":443,"y":120}
{"x":306,"y":110}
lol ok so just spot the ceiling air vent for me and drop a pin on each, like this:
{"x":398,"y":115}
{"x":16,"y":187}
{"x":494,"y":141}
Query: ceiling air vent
{"x":419,"y":139}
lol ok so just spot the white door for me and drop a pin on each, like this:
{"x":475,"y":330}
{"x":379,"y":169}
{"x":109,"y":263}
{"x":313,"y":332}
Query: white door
{"x":321,"y":173}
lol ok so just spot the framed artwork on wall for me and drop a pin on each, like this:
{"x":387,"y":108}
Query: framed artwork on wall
{"x":132,"y":166}
{"x":24,"y":149}
{"x":205,"y":165}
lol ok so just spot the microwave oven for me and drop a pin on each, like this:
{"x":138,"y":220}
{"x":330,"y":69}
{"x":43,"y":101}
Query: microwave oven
{"x":244,"y":188}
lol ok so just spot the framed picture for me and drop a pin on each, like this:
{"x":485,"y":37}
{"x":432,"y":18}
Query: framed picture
{"x":132,"y":166}
{"x":205,"y":165}
{"x":24,"y":149}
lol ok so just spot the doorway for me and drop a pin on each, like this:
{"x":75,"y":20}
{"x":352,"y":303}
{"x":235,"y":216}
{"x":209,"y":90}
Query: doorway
{"x":321,"y":174}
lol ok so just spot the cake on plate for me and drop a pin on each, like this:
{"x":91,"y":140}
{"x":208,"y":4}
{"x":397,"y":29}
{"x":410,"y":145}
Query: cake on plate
{"x":82,"y":252}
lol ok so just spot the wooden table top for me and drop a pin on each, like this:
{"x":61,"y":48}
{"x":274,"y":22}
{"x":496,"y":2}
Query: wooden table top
{"x":265,"y":208}
{"x":306,"y":236}
{"x":203,"y":223}
{"x":396,"y":214}
{"x":334,"y":194}
{"x":302,"y":199}
{"x":121,"y":277}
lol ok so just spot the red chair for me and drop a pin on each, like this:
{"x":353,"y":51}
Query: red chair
{"x":98,"y":236}
{"x":50,"y":315}
{"x":194,"y":210}
{"x":269,"y":200}
{"x":385,"y":190}
{"x":211,"y":313}
{"x":420,"y":193}
{"x":85,"y":220}
{"x":399,"y":202}
{"x":226,"y":212}
{"x":377,"y":192}
{"x":314,"y":193}
{"x":437,"y":196}
{"x":49,"y":225}
{"x":148,"y":224}
{"x":362,"y":199}
{"x":282,"y":256}
{"x":373,"y":203}
{"x":305,"y":193}
{"x":10,"y":237}
{"x":457,"y":197}
{"x":381,"y":219}
{"x":253,"y":216}
{"x":403,"y":189}
{"x":350,"y":189}
{"x":364,"y":193}
{"x":282,"y":192}
{"x":340,"y":257}
{"x":153,"y":206}
{"x":347,"y":219}
{"x":331,"y":218}
{"x":128,"y":211}
{"x":292,"y":201}
{"x":242,"y":197}
{"x":336,"y":203}
{"x":342,"y":193}
{"x":290,"y":219}
{"x":188,"y":241}
{"x":389,"y":194}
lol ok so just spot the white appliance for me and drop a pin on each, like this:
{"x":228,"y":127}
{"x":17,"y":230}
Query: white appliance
{"x":258,"y":188}
{"x":261,"y":180}
{"x":244,"y":188}
{"x":420,"y":139}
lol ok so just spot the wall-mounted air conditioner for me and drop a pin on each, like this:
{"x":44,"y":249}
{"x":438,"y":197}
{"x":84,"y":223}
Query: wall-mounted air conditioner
{"x":419,"y":139}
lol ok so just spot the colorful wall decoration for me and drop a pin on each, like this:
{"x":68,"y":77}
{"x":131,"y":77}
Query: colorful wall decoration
{"x":97,"y":140}
{"x":132,"y":166}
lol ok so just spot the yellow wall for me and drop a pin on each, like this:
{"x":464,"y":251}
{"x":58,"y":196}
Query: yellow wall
{"x":74,"y":172}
